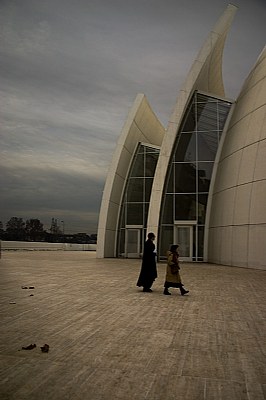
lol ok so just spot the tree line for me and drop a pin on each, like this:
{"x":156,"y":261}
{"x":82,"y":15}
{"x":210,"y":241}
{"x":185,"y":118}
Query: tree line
{"x":33,"y":230}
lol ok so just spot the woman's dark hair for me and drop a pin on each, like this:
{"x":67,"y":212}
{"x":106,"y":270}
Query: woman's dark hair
{"x":174,"y":247}
{"x":151,"y":235}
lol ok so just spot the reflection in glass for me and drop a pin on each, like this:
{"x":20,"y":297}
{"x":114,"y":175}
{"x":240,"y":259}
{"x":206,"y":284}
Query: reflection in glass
{"x":148,"y":185}
{"x":135,"y":189}
{"x":121,"y":242}
{"x":167,"y":238}
{"x":136,"y":197}
{"x":186,"y":150}
{"x":200,"y":242}
{"x":170,"y":180}
{"x":207,"y":145}
{"x":185,"y":178}
{"x":207,"y":116}
{"x":122,"y":215}
{"x":138,"y":166}
{"x":146,"y":210}
{"x":134,"y":214}
{"x":223,"y":110}
{"x":167,"y":217}
{"x":185,"y":207}
{"x":202,"y":206}
{"x":189,"y":124}
{"x":204,"y":176}
{"x":150,"y":164}
{"x":132,"y":241}
{"x":183,"y":237}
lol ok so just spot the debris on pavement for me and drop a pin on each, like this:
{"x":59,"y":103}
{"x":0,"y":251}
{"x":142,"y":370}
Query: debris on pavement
{"x":45,"y":348}
{"x":29,"y":347}
{"x":26,"y":287}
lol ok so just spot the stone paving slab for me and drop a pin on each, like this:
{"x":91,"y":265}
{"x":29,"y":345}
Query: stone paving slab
{"x":109,"y":340}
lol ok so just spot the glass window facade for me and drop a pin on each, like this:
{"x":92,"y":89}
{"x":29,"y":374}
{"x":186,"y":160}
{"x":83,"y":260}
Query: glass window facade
{"x":190,"y":170}
{"x":136,"y":198}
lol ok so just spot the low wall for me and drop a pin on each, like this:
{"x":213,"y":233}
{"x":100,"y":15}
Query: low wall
{"x":13,"y":245}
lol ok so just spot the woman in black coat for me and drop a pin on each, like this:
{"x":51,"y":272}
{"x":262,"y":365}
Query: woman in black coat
{"x":148,"y":272}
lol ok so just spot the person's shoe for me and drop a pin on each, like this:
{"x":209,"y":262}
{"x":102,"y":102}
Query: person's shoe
{"x":166,"y":292}
{"x":184,"y":292}
{"x":147,"y":290}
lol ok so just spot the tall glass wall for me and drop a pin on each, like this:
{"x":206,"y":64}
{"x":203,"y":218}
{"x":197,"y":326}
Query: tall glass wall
{"x":190,"y":170}
{"x":136,"y":199}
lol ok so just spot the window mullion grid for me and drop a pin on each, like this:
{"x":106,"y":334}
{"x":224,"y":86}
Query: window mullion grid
{"x":218,"y":124}
{"x":126,"y":213}
{"x":197,"y":180}
{"x":144,"y":188}
{"x":174,"y":190}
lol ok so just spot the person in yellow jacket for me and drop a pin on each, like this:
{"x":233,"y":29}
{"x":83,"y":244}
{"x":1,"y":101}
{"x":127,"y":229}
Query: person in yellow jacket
{"x":173,"y":278}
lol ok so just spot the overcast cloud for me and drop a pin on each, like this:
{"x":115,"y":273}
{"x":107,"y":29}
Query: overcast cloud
{"x":70,"y":71}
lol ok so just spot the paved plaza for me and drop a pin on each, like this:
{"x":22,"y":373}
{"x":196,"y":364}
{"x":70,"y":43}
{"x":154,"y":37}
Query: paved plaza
{"x":108,"y":340}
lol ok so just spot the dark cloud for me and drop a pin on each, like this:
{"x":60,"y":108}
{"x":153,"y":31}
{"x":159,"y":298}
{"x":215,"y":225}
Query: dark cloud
{"x":70,"y":71}
{"x":47,"y":193}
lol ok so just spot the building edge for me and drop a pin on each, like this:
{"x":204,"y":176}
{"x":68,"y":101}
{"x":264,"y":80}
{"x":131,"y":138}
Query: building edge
{"x":237,"y":234}
{"x":204,"y":75}
{"x":141,"y":125}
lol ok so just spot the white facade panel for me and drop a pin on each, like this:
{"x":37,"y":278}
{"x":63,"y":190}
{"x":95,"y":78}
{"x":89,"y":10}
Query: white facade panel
{"x":244,"y":155}
{"x":255,"y":128}
{"x":238,"y":134}
{"x":260,"y":167}
{"x":263,"y":130}
{"x":247,"y":164}
{"x":239,"y":246}
{"x":242,"y":204}
{"x":228,"y":170}
{"x":225,"y":235}
{"x":258,"y":204}
{"x":227,"y":203}
{"x":223,"y":203}
{"x":257,"y":248}
{"x":217,"y":204}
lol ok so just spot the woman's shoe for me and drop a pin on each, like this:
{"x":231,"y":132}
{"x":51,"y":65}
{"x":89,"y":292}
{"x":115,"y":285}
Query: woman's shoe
{"x":184,"y":292}
{"x":166,"y":292}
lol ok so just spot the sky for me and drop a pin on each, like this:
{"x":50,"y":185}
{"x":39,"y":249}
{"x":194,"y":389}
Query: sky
{"x":69,"y":73}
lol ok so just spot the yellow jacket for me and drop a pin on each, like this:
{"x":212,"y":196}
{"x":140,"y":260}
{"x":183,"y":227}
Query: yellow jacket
{"x":172,"y":269}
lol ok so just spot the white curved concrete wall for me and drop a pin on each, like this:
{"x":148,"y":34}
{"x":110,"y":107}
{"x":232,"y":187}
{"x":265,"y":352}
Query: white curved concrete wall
{"x":205,"y":75}
{"x":237,"y":228}
{"x":141,"y":126}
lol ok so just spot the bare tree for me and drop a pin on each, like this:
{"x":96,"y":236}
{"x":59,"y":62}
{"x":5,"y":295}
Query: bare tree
{"x":34,"y":229}
{"x":2,"y":232}
{"x":15,"y":229}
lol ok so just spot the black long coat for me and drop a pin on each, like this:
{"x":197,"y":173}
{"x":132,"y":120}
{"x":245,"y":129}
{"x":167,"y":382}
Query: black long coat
{"x":148,"y":272}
